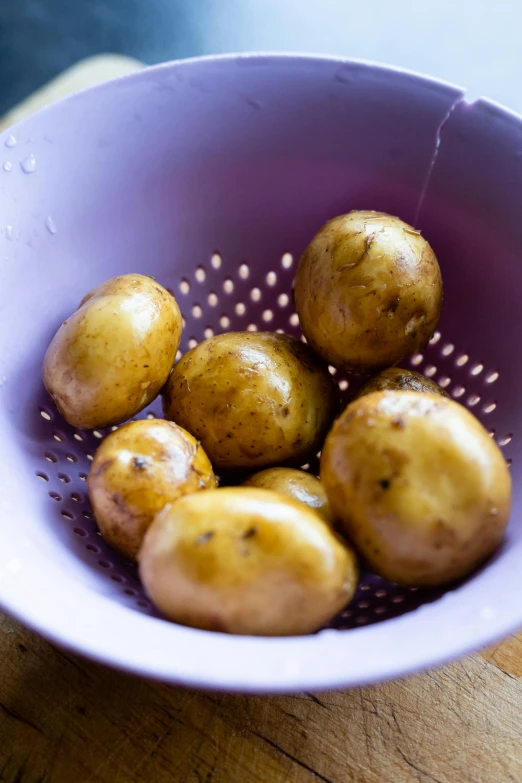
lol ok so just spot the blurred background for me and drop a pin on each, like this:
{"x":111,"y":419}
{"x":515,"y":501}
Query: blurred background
{"x":475,"y":44}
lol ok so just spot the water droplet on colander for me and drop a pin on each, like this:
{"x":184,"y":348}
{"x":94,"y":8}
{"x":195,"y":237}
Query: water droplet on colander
{"x":9,"y":233}
{"x":28,"y":164}
{"x":10,"y":141}
{"x":50,"y":225}
{"x":8,"y":165}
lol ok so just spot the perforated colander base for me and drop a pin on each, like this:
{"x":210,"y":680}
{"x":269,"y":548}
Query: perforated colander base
{"x":224,"y":295}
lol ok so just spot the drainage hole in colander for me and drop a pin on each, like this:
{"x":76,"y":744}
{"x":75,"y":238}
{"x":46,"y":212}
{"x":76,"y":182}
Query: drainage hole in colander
{"x":271,"y":278}
{"x":216,"y":261}
{"x":67,"y":515}
{"x":80,"y":532}
{"x":200,"y":274}
{"x":64,"y":477}
{"x":42,"y":476}
{"x":55,"y":496}
{"x":45,"y":414}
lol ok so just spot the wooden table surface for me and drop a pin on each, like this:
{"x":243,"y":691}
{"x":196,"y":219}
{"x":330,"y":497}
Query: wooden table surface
{"x":66,"y":720}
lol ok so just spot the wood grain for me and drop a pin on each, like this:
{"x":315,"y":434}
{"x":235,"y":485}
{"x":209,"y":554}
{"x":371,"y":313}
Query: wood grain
{"x":64,"y":719}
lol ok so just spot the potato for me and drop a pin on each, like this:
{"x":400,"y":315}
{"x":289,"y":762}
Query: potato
{"x":113,"y":355}
{"x":136,"y":471}
{"x":368,"y":291}
{"x":397,"y":379}
{"x":246,"y":561}
{"x":417,"y":484}
{"x":296,"y":484}
{"x":253,"y":399}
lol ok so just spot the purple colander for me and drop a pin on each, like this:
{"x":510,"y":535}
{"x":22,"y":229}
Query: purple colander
{"x":212,"y":175}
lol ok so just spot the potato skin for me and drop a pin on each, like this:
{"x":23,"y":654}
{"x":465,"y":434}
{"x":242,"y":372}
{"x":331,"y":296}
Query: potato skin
{"x":296,"y":484}
{"x":417,"y":484}
{"x":368,"y":291}
{"x":246,"y":561}
{"x":136,"y":471}
{"x":110,"y":359}
{"x":397,"y":379}
{"x":253,"y":399}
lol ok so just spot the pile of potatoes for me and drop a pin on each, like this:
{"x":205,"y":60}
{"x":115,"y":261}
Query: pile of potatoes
{"x":410,"y":480}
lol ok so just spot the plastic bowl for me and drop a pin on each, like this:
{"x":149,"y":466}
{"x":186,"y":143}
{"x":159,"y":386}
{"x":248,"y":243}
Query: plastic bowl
{"x":212,"y":175}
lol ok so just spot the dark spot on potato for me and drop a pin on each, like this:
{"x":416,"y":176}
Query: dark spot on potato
{"x":250,"y":533}
{"x":140,"y":463}
{"x":204,"y":537}
{"x":385,"y":483}
{"x":103,"y":467}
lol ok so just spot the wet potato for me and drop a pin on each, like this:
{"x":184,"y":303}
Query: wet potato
{"x":397,"y":379}
{"x":112,"y":356}
{"x":296,"y":484}
{"x":252,"y":399}
{"x":368,"y":291}
{"x":418,"y":486}
{"x":246,"y":561}
{"x":136,"y":471}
